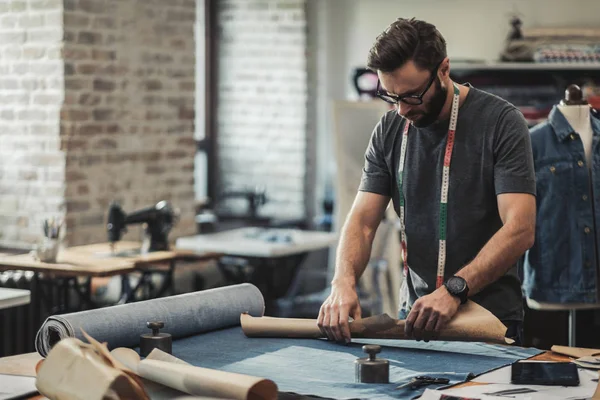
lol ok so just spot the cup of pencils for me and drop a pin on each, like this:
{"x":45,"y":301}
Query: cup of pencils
{"x":47,"y":249}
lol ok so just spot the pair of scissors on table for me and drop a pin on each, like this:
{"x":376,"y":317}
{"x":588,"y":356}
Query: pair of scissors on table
{"x":421,"y":381}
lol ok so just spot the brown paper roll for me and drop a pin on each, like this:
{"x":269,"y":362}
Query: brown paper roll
{"x":471,"y":323}
{"x":167,"y":370}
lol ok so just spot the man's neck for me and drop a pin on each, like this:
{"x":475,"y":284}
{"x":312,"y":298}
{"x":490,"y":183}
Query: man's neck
{"x":463,"y":90}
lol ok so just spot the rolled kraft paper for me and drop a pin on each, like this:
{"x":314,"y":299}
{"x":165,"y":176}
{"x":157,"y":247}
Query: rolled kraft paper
{"x":183,"y":315}
{"x":471,"y":323}
{"x":75,"y":370}
{"x":172,"y":372}
{"x":208,"y":382}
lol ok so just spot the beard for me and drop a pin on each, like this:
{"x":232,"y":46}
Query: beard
{"x":433,"y":108}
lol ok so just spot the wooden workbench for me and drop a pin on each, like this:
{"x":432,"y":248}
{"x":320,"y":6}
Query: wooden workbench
{"x":77,"y":266}
{"x":97,"y":260}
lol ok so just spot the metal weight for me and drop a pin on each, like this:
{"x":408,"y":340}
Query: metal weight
{"x":155,"y":340}
{"x":371,"y":369}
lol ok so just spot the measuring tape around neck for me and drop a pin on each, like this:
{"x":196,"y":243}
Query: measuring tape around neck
{"x":443,"y":192}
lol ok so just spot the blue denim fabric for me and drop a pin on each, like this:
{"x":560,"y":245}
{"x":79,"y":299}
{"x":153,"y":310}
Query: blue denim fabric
{"x":561,"y":267}
{"x":316,"y":367}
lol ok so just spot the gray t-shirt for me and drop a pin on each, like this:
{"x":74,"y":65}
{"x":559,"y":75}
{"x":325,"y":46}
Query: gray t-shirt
{"x":492,"y":155}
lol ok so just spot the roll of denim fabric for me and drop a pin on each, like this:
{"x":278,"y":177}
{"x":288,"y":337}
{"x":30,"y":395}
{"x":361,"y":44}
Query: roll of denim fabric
{"x":183,"y":315}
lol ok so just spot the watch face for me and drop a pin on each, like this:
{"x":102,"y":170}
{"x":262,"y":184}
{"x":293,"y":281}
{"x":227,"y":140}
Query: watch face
{"x":456,"y":285}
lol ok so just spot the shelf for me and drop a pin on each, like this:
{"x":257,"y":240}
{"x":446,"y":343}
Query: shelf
{"x":550,"y":66}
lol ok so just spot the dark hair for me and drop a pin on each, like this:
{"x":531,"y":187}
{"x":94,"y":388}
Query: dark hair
{"x":404,"y":40}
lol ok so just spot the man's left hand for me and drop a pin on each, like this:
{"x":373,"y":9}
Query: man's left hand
{"x":430,"y":313}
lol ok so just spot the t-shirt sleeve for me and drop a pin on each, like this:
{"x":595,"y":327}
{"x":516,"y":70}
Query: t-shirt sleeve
{"x":513,"y":158}
{"x":376,"y":175}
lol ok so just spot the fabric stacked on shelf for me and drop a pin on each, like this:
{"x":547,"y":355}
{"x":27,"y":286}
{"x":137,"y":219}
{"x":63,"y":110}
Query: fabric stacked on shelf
{"x":567,"y":53}
{"x":557,"y":45}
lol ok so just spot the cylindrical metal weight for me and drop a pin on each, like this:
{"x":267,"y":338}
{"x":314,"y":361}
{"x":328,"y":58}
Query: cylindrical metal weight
{"x":155,"y":340}
{"x":370,"y":369}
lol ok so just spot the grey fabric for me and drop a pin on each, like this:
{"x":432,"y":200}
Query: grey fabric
{"x":183,"y":315}
{"x":492,"y":155}
{"x":316,"y":367}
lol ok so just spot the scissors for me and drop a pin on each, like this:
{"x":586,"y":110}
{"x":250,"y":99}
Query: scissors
{"x":421,"y":381}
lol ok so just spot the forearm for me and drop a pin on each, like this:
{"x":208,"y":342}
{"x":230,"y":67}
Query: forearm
{"x":498,"y":255}
{"x":353,"y":252}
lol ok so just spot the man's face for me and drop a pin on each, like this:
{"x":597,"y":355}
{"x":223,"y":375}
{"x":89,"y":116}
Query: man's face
{"x":410,"y":80}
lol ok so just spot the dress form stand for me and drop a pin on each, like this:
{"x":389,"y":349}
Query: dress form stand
{"x":577,"y":112}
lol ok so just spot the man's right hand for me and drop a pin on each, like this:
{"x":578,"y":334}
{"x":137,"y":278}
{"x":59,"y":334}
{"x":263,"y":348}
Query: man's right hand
{"x":335,"y":311}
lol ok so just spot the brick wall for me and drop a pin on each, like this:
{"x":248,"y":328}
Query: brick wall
{"x":128,"y":117}
{"x":31,"y":92}
{"x":263,"y":101}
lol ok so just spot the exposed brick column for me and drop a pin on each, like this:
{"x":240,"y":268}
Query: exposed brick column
{"x":125,"y":128}
{"x":128,"y":115}
{"x":31,"y":93}
{"x":262,"y":101}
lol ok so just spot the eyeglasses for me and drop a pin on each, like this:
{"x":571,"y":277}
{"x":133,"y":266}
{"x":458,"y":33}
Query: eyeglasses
{"x":412,"y":99}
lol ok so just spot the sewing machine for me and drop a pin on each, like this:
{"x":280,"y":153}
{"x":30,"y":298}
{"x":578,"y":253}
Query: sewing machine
{"x":158,"y":221}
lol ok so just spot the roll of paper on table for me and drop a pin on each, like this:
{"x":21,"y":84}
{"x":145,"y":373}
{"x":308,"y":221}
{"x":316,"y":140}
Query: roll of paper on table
{"x":155,"y":340}
{"x":371,"y":369}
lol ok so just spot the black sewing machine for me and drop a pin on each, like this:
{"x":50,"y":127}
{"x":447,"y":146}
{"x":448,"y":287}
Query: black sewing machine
{"x":158,"y":220}
{"x":255,"y":198}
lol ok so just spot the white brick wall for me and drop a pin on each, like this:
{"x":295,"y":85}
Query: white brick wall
{"x":263,"y":101}
{"x":31,"y":81}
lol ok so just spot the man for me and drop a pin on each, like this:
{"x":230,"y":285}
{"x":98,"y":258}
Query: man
{"x":457,"y":163}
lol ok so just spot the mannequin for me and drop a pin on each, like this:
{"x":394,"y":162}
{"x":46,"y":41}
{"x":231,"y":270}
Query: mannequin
{"x":577,"y":112}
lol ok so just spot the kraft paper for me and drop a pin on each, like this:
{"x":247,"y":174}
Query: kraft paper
{"x":471,"y":323}
{"x":163,"y":368}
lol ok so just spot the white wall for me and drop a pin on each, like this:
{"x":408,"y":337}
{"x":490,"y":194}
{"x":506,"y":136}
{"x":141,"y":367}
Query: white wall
{"x":327,"y":27}
{"x":200,"y":160}
{"x":474,"y":29}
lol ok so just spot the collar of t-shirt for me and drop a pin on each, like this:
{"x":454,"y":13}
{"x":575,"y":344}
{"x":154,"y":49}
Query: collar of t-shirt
{"x":441,"y":126}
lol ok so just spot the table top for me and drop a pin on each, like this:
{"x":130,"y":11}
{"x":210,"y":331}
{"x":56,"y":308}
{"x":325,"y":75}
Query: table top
{"x":24,"y":364}
{"x":97,"y":260}
{"x":14,"y":297}
{"x":21,"y":364}
{"x":545,"y":356}
{"x":68,"y":264}
{"x":130,"y":251}
{"x":258,"y":242}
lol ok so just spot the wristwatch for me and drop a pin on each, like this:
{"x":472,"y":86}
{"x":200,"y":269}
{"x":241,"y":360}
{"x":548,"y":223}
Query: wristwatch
{"x":458,"y":287}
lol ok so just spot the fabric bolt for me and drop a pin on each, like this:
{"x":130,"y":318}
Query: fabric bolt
{"x":183,"y":315}
{"x":316,"y":367}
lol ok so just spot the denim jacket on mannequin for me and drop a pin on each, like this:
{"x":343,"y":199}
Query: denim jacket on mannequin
{"x":562,"y":265}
